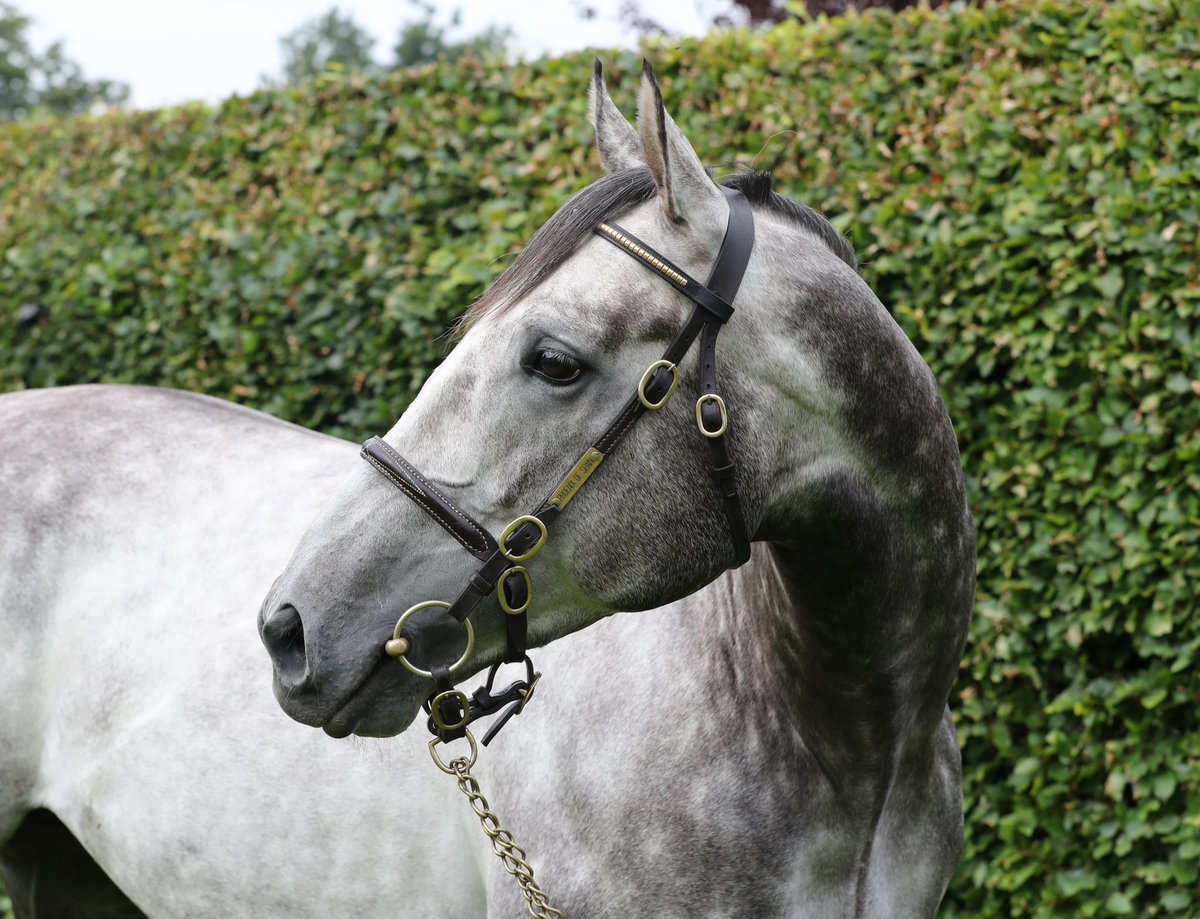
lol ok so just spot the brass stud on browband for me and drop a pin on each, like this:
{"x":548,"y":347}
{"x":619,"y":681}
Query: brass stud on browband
{"x":656,"y":263}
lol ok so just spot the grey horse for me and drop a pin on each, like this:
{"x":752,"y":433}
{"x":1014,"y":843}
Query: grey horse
{"x":767,"y":740}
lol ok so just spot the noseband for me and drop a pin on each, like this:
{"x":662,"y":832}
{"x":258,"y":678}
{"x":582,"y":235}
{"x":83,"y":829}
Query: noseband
{"x":502,"y":569}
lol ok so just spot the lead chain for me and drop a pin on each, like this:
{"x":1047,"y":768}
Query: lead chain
{"x":503,"y":844}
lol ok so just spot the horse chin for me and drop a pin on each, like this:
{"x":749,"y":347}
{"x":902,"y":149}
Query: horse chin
{"x":381,"y":702}
{"x":371,"y":725}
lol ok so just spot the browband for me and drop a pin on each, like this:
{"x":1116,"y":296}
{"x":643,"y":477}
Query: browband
{"x":727,"y":271}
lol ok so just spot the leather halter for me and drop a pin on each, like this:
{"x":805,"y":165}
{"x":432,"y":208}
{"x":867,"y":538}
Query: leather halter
{"x":501,"y":570}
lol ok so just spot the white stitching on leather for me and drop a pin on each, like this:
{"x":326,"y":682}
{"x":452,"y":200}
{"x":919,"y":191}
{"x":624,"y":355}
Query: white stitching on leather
{"x":408,"y":467}
{"x":432,"y":509}
{"x":411,"y":470}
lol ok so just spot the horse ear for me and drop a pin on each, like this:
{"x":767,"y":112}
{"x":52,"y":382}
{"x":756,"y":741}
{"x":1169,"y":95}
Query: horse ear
{"x":685,"y":189}
{"x":616,"y":140}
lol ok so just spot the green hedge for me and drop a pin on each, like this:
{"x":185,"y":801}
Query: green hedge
{"x":1022,"y":184}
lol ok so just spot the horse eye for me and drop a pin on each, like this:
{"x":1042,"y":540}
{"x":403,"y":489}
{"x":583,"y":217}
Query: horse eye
{"x":556,"y":366}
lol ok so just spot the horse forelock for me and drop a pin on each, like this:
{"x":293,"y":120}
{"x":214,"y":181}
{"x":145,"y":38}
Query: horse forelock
{"x":609,"y":198}
{"x":554,"y":243}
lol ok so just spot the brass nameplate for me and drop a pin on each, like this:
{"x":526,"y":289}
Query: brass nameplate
{"x":575,"y":478}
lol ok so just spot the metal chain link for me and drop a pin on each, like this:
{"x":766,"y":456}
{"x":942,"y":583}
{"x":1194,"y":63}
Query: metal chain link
{"x":506,"y":849}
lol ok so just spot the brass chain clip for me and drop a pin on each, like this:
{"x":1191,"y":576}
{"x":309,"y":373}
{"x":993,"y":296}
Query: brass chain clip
{"x":510,"y":854}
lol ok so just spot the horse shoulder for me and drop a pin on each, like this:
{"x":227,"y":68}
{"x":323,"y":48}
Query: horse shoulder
{"x":141,"y":529}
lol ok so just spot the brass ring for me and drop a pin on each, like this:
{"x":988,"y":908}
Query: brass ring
{"x":650,"y":371}
{"x":436,"y":713}
{"x":509,"y":530}
{"x":408,"y":614}
{"x":433,"y":745}
{"x":509,"y":572}
{"x":720,"y":403}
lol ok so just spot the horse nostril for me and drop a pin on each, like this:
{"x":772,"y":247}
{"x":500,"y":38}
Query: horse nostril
{"x":283,"y":635}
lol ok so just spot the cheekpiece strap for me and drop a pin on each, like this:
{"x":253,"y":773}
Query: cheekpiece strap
{"x":730,"y":266}
{"x":713,"y":308}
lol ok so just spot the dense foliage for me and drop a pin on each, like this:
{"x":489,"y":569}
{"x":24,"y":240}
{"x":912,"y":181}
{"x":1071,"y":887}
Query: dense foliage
{"x":1021,"y":183}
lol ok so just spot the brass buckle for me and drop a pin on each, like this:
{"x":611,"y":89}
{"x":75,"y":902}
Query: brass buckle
{"x":504,"y":605}
{"x":403,"y":658}
{"x":436,"y":714}
{"x":445,"y":767}
{"x":720,"y":404}
{"x":511,"y":528}
{"x":650,"y":371}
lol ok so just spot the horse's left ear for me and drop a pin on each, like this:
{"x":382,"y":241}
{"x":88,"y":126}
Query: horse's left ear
{"x":616,"y":141}
{"x":687,"y":193}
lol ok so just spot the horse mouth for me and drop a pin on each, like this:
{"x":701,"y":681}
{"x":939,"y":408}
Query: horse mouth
{"x":375,"y":707}
{"x":344,"y":719}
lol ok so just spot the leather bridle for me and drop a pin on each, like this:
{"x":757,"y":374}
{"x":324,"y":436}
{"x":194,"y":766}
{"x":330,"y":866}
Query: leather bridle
{"x":501,"y":569}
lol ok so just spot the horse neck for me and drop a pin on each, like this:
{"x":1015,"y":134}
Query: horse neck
{"x":846,"y":629}
{"x":826,"y":648}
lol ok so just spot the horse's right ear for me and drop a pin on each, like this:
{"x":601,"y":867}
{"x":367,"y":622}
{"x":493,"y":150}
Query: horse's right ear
{"x":616,"y":141}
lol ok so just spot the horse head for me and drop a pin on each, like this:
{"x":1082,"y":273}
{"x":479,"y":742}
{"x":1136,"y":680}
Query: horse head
{"x":546,"y":364}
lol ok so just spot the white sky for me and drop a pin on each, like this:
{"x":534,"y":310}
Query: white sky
{"x":171,"y":51}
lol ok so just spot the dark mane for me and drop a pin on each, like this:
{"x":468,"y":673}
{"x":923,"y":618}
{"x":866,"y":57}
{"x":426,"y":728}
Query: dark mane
{"x":609,"y":198}
{"x":756,"y":186}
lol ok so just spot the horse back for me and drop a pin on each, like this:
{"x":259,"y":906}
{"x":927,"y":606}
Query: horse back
{"x":103,"y":491}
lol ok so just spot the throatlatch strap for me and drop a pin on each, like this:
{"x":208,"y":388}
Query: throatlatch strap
{"x":712,"y":416}
{"x":725,"y":279}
